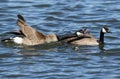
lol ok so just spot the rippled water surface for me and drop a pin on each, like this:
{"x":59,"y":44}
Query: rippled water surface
{"x":61,"y":60}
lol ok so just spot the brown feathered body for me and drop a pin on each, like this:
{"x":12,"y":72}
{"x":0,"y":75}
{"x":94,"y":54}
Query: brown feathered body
{"x":31,"y":35}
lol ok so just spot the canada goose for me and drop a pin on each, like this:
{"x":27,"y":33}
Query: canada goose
{"x":76,"y":34}
{"x":29,"y":35}
{"x":88,"y":39}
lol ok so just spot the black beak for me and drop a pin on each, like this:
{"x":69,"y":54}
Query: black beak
{"x":109,"y":32}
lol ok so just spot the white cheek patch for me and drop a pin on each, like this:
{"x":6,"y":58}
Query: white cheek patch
{"x":78,"y":33}
{"x":103,"y":30}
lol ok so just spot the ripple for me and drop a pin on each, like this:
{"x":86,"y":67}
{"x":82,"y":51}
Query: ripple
{"x":42,"y":5}
{"x":16,"y":76}
{"x":16,"y":7}
{"x":5,"y":55}
{"x":73,"y":17}
{"x":61,"y":60}
{"x":79,"y":6}
{"x":57,"y":13}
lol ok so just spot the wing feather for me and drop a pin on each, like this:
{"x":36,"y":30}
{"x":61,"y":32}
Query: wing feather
{"x":28,"y":31}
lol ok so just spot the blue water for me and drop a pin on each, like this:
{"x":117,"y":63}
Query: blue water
{"x":61,"y":60}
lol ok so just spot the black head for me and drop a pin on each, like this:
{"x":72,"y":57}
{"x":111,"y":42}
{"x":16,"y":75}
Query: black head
{"x":105,"y":30}
{"x":81,"y":32}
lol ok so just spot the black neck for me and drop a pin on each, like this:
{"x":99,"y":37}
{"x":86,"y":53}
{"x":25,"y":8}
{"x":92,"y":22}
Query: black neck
{"x":101,"y":40}
{"x":64,"y":37}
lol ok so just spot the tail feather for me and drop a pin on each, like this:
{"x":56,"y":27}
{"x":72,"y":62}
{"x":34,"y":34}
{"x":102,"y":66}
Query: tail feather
{"x":21,"y":17}
{"x":6,"y":39}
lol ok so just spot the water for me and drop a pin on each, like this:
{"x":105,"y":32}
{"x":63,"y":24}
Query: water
{"x":60,"y":60}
